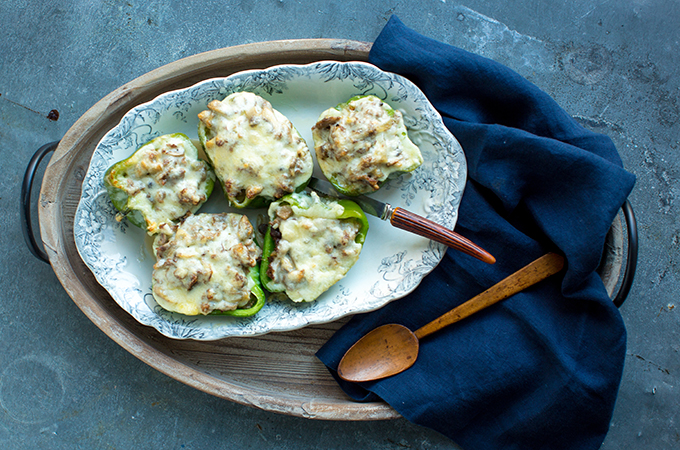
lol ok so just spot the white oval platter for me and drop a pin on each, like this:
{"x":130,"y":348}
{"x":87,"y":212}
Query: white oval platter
{"x":393,"y":262}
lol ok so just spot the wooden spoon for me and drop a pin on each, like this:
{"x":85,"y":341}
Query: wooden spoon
{"x":390,"y":349}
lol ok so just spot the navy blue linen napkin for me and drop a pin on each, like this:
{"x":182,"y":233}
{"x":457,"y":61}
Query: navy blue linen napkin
{"x":540,"y":370}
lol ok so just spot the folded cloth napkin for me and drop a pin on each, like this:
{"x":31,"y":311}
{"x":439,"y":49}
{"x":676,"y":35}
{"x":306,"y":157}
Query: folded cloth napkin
{"x":540,"y":370}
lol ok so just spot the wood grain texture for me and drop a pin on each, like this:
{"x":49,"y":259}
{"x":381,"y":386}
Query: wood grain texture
{"x":406,"y":220}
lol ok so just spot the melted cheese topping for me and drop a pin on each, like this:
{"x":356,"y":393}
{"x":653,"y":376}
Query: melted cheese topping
{"x":255,"y":150}
{"x":362,"y":144}
{"x":205,"y":265}
{"x":315,"y":249}
{"x":162,"y":181}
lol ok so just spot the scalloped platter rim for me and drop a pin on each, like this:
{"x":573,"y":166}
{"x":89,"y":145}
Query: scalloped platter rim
{"x":392,"y":263}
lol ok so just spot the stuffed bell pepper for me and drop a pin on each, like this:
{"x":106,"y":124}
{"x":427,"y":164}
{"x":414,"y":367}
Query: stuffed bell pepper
{"x":362,"y":143}
{"x":160,"y":183}
{"x":210,"y":265}
{"x":256,"y":152}
{"x":310,"y":244}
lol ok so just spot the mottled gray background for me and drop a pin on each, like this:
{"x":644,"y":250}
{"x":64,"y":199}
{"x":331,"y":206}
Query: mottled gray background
{"x":612,"y":64}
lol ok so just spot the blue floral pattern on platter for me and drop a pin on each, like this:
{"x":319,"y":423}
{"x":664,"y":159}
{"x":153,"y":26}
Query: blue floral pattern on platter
{"x":392,"y":263}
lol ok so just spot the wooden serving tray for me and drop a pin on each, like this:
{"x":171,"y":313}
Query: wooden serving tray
{"x":275,"y":372}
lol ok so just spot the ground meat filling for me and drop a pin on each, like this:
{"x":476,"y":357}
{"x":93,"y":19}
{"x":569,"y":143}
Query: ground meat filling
{"x":205,"y":265}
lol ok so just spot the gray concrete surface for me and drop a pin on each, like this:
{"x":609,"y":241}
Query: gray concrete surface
{"x":65,"y":385}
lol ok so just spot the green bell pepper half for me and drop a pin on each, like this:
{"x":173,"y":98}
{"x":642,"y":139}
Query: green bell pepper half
{"x":120,"y":198}
{"x":351,"y":211}
{"x":356,"y":192}
{"x":259,"y":201}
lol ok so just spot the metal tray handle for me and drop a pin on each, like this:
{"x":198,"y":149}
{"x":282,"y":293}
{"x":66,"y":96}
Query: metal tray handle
{"x":632,"y":255}
{"x":26,"y":188}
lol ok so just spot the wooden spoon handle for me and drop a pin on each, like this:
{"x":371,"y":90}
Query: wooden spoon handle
{"x":406,"y":220}
{"x":529,"y":275}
